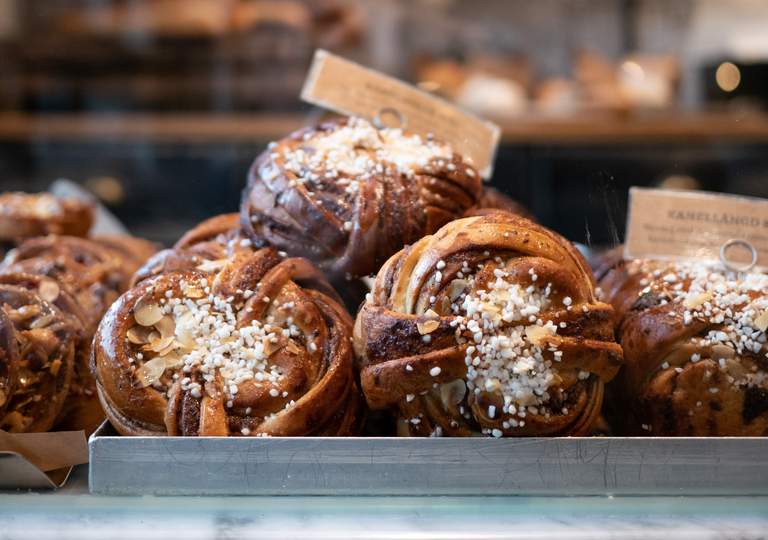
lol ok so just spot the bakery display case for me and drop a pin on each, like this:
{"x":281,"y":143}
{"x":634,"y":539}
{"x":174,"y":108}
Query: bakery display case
{"x":350,"y":268}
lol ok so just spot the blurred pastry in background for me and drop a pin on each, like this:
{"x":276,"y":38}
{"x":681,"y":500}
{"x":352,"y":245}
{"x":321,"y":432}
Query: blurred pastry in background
{"x":26,"y":215}
{"x":486,"y":84}
{"x":635,"y":82}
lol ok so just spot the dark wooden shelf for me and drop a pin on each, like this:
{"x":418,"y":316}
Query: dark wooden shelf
{"x":260,"y":127}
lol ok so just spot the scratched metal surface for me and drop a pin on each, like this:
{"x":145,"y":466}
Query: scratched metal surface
{"x":402,"y":466}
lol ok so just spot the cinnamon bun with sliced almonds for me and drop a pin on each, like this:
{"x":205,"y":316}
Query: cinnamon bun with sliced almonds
{"x":40,"y":337}
{"x":94,"y":272}
{"x":257,"y":346}
{"x":82,"y":277}
{"x":348,"y":195}
{"x":488,"y":327}
{"x":694,"y":339}
{"x":26,"y":215}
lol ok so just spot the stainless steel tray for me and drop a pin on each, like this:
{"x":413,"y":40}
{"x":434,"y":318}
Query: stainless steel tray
{"x":403,"y":466}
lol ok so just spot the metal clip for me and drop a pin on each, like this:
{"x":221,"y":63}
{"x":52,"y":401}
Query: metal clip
{"x":401,"y":119}
{"x":736,"y":267}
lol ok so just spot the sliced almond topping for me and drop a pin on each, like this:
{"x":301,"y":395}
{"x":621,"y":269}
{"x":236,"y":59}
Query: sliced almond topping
{"x":761,"y":322}
{"x":149,"y":373}
{"x":431,"y":314}
{"x":692,"y":302}
{"x":138,"y":335}
{"x":147,"y":314}
{"x":292,"y":348}
{"x":427,"y":327}
{"x":270,"y":348}
{"x":212,"y":266}
{"x":166,"y":327}
{"x":48,"y":290}
{"x":457,"y":287}
{"x":172,"y":358}
{"x":184,"y":331}
{"x":536,"y":334}
{"x":160,"y":345}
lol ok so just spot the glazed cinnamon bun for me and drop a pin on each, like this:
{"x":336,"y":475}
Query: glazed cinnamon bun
{"x":488,"y":327}
{"x":348,"y":195}
{"x":258,"y":345}
{"x":694,"y":339}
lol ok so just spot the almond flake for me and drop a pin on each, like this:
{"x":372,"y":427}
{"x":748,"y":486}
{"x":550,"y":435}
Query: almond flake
{"x":427,"y":327}
{"x":761,"y":322}
{"x":48,"y":290}
{"x":147,"y":314}
{"x":692,"y":302}
{"x":150,"y":373}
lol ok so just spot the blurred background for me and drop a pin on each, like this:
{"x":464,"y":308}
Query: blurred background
{"x":159,"y":106}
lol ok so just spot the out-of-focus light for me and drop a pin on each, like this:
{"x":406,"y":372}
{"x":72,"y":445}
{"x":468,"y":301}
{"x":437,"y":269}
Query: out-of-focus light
{"x":727,"y":77}
{"x":108,"y":189}
{"x":633,"y":69}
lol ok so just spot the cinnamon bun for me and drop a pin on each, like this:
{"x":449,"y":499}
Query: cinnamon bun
{"x":348,"y":195}
{"x":40,"y":336}
{"x":694,"y":339}
{"x":258,"y":345}
{"x":488,"y":327}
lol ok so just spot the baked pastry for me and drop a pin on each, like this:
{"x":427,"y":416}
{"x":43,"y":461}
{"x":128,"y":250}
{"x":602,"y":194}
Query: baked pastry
{"x":95,"y":273}
{"x":82,"y":277}
{"x":39,"y":342}
{"x":258,"y":345}
{"x":694,"y":342}
{"x":25,"y":215}
{"x":133,"y":251}
{"x":492,"y":200}
{"x":488,"y":327}
{"x":348,"y":195}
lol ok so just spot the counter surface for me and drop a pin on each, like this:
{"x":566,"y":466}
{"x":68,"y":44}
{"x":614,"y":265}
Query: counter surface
{"x":73,"y":513}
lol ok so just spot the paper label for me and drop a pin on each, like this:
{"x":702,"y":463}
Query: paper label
{"x":686,"y":225}
{"x":354,"y":90}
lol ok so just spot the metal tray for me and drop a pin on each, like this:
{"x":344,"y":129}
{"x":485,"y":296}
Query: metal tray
{"x":405,"y":466}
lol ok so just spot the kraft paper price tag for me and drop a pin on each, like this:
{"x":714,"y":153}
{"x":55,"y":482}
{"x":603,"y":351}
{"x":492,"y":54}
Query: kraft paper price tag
{"x":354,"y":90}
{"x":693,"y":225}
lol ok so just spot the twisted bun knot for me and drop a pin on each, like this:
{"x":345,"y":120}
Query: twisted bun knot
{"x":348,"y":195}
{"x":40,"y":331}
{"x":95,"y":273}
{"x":694,"y":338}
{"x":489,"y":326}
{"x":259,"y":346}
